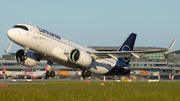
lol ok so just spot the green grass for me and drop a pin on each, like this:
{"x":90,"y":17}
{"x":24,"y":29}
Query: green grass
{"x":81,"y":91}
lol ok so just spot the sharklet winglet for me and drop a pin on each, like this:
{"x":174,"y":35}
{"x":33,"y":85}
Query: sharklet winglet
{"x":8,"y":48}
{"x":171,"y":46}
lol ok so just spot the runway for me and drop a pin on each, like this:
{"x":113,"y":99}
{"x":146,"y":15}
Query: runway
{"x":23,"y":81}
{"x":27,"y":81}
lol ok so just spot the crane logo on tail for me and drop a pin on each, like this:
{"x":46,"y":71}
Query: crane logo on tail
{"x":126,"y":48}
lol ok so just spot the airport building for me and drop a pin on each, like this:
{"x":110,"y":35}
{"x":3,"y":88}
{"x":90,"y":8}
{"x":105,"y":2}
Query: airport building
{"x":168,"y":62}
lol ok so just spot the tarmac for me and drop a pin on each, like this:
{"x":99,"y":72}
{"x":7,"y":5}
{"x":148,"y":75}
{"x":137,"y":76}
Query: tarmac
{"x":27,"y":81}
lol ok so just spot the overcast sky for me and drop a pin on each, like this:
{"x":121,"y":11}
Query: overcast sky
{"x":96,"y":22}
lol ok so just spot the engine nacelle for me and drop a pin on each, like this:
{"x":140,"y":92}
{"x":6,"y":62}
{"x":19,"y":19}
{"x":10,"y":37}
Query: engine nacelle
{"x":28,"y":60}
{"x":59,"y":54}
{"x":80,"y":57}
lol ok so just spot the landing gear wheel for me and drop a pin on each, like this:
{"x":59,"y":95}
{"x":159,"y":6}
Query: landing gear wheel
{"x":48,"y":74}
{"x":52,"y":73}
{"x":88,"y":73}
{"x":83,"y":74}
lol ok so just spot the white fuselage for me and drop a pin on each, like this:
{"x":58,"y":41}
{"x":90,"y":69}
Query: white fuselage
{"x":54,"y":47}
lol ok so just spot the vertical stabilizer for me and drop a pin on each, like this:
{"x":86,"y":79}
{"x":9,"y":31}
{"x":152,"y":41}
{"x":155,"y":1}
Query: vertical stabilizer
{"x":4,"y":70}
{"x":128,"y":45}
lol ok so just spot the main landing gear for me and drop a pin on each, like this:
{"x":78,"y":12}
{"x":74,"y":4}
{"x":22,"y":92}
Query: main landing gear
{"x":49,"y":73}
{"x":85,"y":73}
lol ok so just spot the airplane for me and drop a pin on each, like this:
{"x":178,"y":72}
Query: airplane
{"x":40,"y":44}
{"x":3,"y":72}
{"x":37,"y":73}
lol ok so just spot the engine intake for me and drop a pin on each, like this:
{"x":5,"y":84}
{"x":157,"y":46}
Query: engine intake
{"x":80,"y":57}
{"x":28,"y":60}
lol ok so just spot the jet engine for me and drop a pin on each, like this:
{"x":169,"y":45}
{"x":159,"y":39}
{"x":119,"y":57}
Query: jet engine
{"x":80,"y":57}
{"x":28,"y":59}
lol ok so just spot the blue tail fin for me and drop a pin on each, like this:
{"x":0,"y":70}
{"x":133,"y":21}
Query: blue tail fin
{"x":128,"y":45}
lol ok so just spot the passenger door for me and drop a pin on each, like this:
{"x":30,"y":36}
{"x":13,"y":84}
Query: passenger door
{"x":36,"y":33}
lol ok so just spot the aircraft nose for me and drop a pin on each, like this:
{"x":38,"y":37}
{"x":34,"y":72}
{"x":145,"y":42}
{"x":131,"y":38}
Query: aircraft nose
{"x":10,"y":33}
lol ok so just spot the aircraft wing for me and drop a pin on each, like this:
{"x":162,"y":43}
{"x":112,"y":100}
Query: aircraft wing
{"x":118,"y":54}
{"x":140,"y":68}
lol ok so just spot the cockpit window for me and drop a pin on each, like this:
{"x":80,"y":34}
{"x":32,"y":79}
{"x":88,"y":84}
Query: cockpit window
{"x":22,"y":27}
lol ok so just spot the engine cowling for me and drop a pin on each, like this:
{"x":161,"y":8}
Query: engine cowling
{"x":80,"y":57}
{"x":28,"y":60}
{"x":59,"y":54}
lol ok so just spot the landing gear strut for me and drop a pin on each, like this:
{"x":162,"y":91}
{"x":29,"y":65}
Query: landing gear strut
{"x":85,"y":73}
{"x":50,"y":73}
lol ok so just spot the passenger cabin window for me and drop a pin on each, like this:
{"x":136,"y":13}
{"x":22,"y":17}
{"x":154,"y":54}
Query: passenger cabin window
{"x":22,"y":27}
